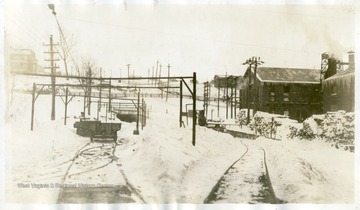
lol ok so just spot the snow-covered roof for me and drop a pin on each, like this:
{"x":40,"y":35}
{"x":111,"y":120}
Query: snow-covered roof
{"x":345,"y":73}
{"x":288,"y":75}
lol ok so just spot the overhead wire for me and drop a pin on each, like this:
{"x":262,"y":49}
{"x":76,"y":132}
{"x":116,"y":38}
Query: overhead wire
{"x":189,"y":36}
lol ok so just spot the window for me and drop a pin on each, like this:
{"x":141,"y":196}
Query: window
{"x":272,"y":94}
{"x":286,"y":93}
{"x":286,"y":97}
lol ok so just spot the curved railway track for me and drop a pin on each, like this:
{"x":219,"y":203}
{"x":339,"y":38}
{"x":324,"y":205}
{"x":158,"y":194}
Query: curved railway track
{"x":87,"y":164}
{"x":247,"y":180}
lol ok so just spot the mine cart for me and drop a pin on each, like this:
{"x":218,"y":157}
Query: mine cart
{"x":85,"y":127}
{"x":106,"y":131}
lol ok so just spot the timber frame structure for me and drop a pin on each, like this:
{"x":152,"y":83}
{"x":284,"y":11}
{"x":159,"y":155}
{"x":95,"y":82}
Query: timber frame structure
{"x":109,"y":86}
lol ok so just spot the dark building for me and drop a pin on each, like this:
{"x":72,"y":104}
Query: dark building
{"x":221,"y":81}
{"x":286,"y":91}
{"x":338,"y":89}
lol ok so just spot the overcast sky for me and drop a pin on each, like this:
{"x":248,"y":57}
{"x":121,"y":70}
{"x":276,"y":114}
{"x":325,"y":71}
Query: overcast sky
{"x":208,"y":39}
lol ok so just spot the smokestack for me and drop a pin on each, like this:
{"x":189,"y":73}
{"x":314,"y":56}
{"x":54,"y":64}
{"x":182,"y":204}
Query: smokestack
{"x":351,"y":60}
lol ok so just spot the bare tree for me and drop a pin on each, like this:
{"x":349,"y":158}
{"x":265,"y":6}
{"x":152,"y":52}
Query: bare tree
{"x":67,"y":43}
{"x":89,"y":70}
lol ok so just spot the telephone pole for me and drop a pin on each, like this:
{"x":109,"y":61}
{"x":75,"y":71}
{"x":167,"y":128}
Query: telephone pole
{"x":256,"y":62}
{"x":128,"y":72}
{"x":89,"y":97}
{"x":156,"y":74}
{"x":53,"y":68}
{"x":168,"y":83}
{"x":152,"y":81}
{"x":159,"y":73}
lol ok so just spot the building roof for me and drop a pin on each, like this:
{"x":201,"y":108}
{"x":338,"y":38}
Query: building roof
{"x":345,"y":73}
{"x":288,"y":75}
{"x":21,"y":51}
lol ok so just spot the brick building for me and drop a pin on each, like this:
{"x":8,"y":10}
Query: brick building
{"x":23,"y":61}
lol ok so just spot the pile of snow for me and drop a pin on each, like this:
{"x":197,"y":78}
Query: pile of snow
{"x":309,"y":171}
{"x":166,"y":168}
{"x":338,"y":127}
{"x":271,"y":125}
{"x":161,"y":162}
{"x":335,"y":127}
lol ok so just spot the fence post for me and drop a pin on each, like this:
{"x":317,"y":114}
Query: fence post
{"x":136,"y":132}
{"x":33,"y":106}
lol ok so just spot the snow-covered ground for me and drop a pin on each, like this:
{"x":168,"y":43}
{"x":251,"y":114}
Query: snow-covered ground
{"x":161,"y":163}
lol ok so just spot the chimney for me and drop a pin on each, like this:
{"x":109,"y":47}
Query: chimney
{"x":351,"y":60}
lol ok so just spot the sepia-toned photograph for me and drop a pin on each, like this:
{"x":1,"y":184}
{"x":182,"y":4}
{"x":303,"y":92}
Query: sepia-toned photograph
{"x":159,"y":104}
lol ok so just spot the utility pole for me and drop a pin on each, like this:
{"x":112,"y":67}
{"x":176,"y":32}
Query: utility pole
{"x":160,"y":72}
{"x":162,"y":92}
{"x":128,"y":72}
{"x":256,"y":61}
{"x":157,"y":66}
{"x":253,"y":61}
{"x":168,"y":83}
{"x":248,"y":61}
{"x":227,"y":95}
{"x":152,"y":81}
{"x":89,"y":96}
{"x":218,"y":100}
{"x":53,"y":68}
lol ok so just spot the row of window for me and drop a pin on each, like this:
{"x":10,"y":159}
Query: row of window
{"x":22,"y":57}
{"x":285,"y":96}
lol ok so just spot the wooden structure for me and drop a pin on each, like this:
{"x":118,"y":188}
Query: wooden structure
{"x":338,"y":89}
{"x":286,"y":91}
{"x":96,"y":129}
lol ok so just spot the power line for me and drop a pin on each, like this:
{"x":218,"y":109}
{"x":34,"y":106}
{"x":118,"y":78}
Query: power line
{"x":191,"y":37}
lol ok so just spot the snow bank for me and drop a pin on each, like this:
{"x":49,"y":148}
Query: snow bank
{"x":309,"y":172}
{"x":271,"y":125}
{"x":164,"y":165}
{"x":335,"y":127}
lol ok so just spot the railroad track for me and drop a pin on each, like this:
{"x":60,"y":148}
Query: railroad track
{"x":84,"y":180}
{"x":247,"y":180}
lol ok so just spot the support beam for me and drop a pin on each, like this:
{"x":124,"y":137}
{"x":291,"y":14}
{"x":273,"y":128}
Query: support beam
{"x":110,"y":96}
{"x":168,"y":83}
{"x":101,"y":78}
{"x":181,"y":95}
{"x":142,"y":113}
{"x":66,"y":104}
{"x":218,"y":102}
{"x":136,"y":132}
{"x":194,"y":110}
{"x":33,"y":106}
{"x":89,"y":97}
{"x":231,"y":102}
{"x":187,"y":86}
{"x":235,"y":104}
